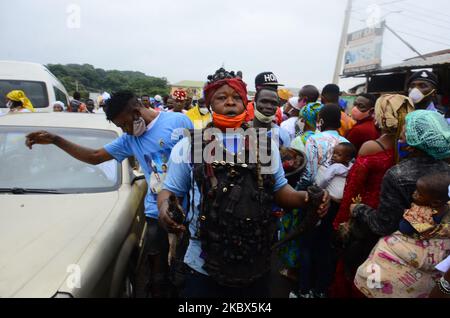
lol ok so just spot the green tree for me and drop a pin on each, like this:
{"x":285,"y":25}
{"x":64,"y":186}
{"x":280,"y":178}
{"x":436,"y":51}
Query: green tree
{"x":91,"y":79}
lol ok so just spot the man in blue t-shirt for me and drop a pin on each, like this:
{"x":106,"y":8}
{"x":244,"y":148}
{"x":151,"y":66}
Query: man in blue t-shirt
{"x":149,"y":137}
{"x":233,"y":204}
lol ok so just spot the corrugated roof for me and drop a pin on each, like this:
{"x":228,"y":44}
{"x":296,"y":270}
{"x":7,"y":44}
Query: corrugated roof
{"x":193,"y":84}
{"x":414,"y":63}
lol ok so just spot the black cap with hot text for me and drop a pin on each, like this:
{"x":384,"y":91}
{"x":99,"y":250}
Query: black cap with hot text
{"x":266,"y":79}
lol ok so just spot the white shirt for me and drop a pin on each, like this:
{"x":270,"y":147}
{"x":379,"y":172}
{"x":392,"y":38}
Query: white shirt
{"x":290,"y":125}
{"x":333,"y":179}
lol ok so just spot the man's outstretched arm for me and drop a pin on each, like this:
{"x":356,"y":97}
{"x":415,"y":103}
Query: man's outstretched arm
{"x":84,"y":154}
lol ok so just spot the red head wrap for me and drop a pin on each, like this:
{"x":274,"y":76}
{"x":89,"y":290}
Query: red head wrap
{"x":236,"y":83}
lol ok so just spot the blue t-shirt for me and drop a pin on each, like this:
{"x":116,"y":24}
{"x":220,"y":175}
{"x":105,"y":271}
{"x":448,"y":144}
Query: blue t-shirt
{"x":179,"y":182}
{"x":152,"y":150}
{"x":284,"y":139}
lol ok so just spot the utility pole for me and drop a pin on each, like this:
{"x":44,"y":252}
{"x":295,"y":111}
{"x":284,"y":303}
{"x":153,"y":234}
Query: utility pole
{"x":340,"y":56}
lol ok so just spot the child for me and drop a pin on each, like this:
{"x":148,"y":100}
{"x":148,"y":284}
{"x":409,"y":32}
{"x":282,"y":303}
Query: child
{"x":430,"y":205}
{"x":403,"y":265}
{"x":333,"y":178}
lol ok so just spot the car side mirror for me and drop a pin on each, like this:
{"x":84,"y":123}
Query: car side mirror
{"x":137,"y":176}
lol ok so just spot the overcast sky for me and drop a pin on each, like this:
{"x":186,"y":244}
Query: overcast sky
{"x":189,"y":39}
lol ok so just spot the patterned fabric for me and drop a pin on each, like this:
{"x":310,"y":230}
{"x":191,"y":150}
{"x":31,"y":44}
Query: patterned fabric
{"x":429,"y":132}
{"x":180,"y":95}
{"x":402,"y":267}
{"x":397,"y":189}
{"x":391,"y":110}
{"x":289,"y":253}
{"x":310,"y":112}
{"x":420,"y":217}
{"x":319,"y":151}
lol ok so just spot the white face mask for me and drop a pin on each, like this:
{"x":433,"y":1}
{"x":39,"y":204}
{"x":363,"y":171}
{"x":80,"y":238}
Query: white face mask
{"x":9,"y":104}
{"x":203,"y":110}
{"x":301,"y":127}
{"x":139,"y":127}
{"x":417,"y":96}
{"x":263,"y":118}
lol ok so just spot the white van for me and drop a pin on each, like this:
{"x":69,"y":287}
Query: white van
{"x":38,"y":83}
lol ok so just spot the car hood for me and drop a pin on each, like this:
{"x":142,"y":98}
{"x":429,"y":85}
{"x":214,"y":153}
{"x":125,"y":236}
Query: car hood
{"x":42,"y":237}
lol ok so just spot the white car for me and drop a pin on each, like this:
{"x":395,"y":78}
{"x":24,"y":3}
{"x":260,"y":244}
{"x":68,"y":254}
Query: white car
{"x":67,"y":229}
{"x":38,"y":83}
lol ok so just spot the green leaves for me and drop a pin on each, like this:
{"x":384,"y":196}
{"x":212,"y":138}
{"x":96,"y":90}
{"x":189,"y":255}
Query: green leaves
{"x":91,"y":79}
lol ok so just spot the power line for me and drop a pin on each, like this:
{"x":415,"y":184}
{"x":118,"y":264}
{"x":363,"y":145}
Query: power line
{"x":436,"y":37}
{"x":432,"y":11}
{"x":420,"y":11}
{"x":423,"y":14}
{"x":428,"y":22}
{"x":424,"y":38}
{"x":403,"y":40}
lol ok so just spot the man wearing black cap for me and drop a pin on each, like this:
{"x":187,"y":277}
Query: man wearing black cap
{"x":422,"y":88}
{"x":266,"y":105}
{"x":265,"y":80}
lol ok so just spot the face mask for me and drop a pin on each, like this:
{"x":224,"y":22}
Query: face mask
{"x":203,"y":110}
{"x":300,"y":127}
{"x":402,"y":150}
{"x":9,"y":104}
{"x":303,"y":103}
{"x":139,"y":127}
{"x":263,"y":118}
{"x":223,"y":122}
{"x":359,"y":115}
{"x":319,"y":126}
{"x":417,"y":96}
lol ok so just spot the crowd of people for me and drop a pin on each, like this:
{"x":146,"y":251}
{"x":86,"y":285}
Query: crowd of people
{"x":354,"y":204}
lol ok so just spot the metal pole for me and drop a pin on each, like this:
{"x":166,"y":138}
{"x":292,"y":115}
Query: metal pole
{"x":340,"y":56}
{"x":404,"y":41}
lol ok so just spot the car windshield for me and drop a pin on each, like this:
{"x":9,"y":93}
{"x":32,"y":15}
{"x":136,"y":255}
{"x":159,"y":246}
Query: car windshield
{"x":47,"y":167}
{"x":35,"y":91}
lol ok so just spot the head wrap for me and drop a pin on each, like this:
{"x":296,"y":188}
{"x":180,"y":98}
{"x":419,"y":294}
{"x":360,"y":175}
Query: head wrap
{"x":294,"y":102}
{"x":60,"y":104}
{"x":179,"y":95}
{"x":236,"y":83}
{"x":391,"y":110}
{"x":19,"y":96}
{"x":428,"y":131}
{"x":284,"y":93}
{"x":310,"y":113}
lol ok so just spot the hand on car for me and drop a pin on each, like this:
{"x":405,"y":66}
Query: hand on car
{"x":39,"y":138}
